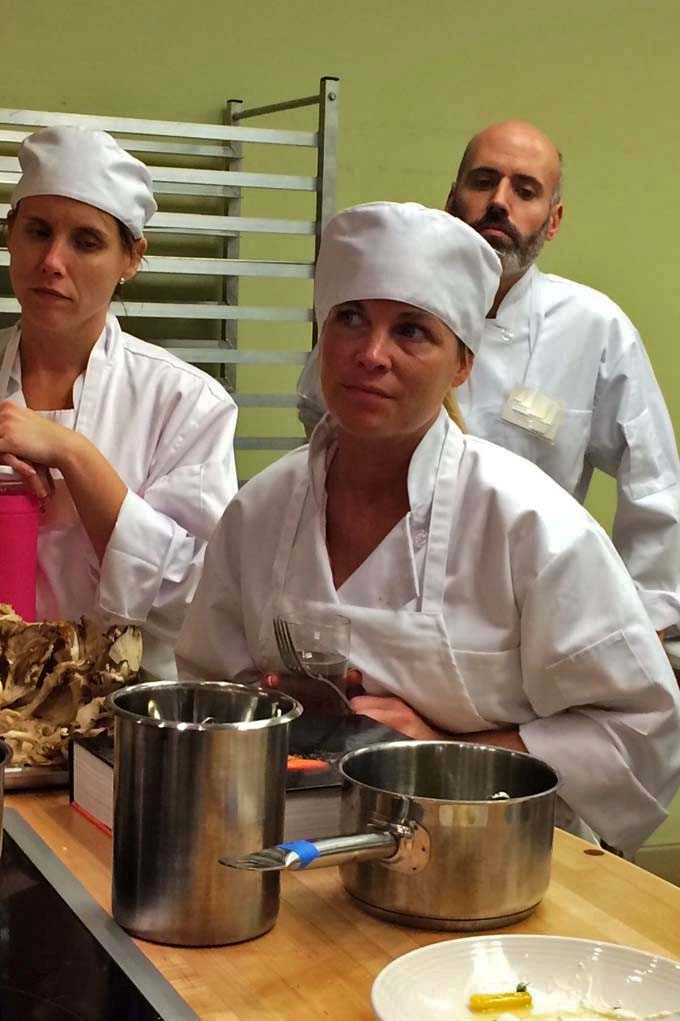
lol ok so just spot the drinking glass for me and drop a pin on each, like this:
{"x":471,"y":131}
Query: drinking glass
{"x":322,"y":643}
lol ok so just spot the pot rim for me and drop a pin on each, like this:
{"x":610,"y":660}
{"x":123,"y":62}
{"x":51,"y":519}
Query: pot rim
{"x":294,"y":707}
{"x":448,"y":801}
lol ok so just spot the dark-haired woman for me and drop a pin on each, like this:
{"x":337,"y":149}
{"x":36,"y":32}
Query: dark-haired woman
{"x":131,"y":449}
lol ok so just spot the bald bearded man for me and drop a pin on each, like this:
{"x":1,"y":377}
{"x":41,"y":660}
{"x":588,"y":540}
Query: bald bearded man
{"x":562,"y":377}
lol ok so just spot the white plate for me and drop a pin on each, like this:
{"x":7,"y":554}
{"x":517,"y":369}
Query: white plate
{"x":434,"y":982}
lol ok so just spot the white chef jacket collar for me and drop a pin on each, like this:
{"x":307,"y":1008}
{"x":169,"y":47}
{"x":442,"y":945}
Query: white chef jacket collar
{"x":421,"y":476}
{"x":514,"y":299}
{"x":105,"y":340}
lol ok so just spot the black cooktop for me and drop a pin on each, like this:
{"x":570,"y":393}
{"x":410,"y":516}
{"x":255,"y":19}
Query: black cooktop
{"x":57,"y":966}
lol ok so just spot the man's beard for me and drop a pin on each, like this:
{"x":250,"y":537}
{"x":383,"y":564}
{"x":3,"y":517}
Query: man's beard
{"x":516,"y":251}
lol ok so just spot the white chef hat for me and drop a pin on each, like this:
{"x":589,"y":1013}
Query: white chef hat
{"x":407,"y":252}
{"x":88,"y":166}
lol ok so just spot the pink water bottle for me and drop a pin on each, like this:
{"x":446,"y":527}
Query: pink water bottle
{"x":19,"y":522}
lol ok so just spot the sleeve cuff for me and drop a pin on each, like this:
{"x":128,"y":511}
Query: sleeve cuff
{"x":596,"y":782}
{"x":134,"y":563}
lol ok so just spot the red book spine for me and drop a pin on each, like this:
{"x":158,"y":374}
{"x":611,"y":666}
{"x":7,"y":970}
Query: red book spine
{"x":91,"y":818}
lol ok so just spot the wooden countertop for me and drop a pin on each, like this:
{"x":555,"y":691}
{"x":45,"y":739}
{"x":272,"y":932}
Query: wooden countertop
{"x":321,"y":957}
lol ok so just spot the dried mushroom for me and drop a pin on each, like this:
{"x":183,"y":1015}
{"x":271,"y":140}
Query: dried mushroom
{"x":55,"y":677}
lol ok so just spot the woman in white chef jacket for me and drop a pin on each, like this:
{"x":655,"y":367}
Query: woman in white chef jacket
{"x":485,"y":603}
{"x":131,"y":448}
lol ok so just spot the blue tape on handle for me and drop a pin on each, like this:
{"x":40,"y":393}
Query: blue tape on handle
{"x":304,"y":849}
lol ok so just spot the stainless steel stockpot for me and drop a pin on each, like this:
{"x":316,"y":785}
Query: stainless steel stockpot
{"x":439,"y":834}
{"x":199,"y":767}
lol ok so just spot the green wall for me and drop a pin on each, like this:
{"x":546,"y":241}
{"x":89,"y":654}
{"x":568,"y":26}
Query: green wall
{"x":417,"y":80}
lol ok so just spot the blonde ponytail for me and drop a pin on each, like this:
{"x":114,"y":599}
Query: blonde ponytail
{"x":450,"y":402}
{"x":452,"y":409}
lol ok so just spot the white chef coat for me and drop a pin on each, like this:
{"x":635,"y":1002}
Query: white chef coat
{"x":539,"y":623}
{"x":167,"y":429}
{"x":574,"y":344}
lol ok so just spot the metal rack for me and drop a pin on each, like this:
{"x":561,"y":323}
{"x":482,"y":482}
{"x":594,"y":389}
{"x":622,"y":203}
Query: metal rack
{"x":188,"y":295}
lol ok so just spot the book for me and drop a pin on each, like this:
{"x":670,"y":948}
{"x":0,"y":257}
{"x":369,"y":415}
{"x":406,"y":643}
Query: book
{"x":90,"y":778}
{"x":313,"y":795}
{"x":313,"y":783}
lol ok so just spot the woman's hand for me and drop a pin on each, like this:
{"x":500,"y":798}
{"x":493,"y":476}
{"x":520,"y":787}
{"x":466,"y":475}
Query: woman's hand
{"x":36,"y":477}
{"x":97,"y":490}
{"x":395,"y":713}
{"x":33,"y":439}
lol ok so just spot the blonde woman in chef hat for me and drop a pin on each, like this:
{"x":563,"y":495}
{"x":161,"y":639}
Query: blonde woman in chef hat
{"x":485,"y":603}
{"x":131,"y":448}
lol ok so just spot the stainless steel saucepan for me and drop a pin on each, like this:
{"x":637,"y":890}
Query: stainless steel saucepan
{"x":438,"y":834}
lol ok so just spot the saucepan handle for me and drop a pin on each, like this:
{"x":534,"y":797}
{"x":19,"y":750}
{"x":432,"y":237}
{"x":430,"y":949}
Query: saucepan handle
{"x":304,"y":854}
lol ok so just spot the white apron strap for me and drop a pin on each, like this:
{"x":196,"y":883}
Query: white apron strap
{"x":289,"y":526}
{"x":434,"y":574}
{"x":94,"y":381}
{"x":8,"y":360}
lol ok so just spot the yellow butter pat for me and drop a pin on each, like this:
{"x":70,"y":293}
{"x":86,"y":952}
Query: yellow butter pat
{"x":488,"y":1003}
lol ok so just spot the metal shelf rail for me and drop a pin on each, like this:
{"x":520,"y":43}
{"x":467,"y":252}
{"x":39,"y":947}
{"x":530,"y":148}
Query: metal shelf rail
{"x":199,"y":167}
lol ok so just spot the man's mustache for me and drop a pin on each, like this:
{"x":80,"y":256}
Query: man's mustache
{"x":500,"y":220}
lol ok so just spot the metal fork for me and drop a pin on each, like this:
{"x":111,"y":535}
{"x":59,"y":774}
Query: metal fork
{"x":292,"y":661}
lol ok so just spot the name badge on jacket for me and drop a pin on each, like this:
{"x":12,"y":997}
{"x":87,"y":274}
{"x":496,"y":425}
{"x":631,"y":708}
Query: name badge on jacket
{"x":536,"y":412}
